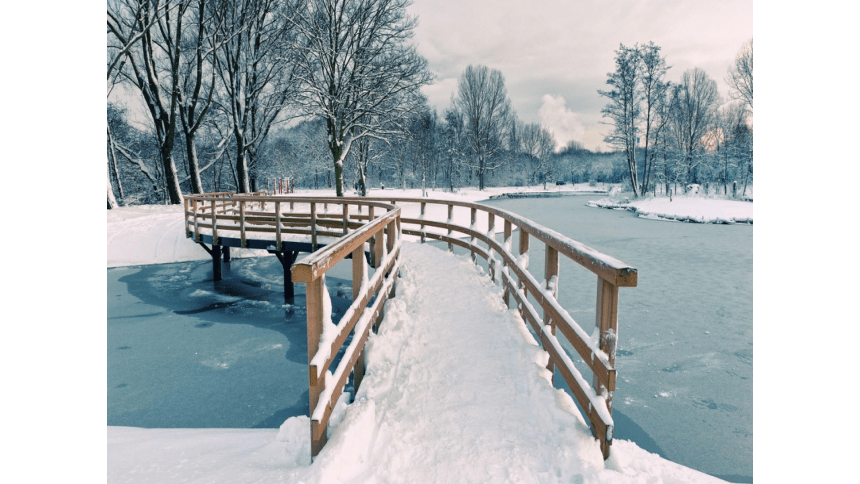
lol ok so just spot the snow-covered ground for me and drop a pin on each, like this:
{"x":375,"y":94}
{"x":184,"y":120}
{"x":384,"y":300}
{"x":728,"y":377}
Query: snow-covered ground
{"x":682,"y":208}
{"x":491,"y":416}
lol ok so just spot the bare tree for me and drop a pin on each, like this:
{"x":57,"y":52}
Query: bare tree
{"x":624,"y":107}
{"x":453,"y":144}
{"x":654,"y":96}
{"x":483,"y":100}
{"x":255,"y":69}
{"x":740,"y":75}
{"x":693,"y":108}
{"x":536,"y":143}
{"x":197,"y":84}
{"x":154,"y":62}
{"x":356,"y":71}
{"x":638,"y":79}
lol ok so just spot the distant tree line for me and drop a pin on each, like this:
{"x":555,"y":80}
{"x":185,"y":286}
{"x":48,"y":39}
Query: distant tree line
{"x":681,"y":132}
{"x":240,"y":93}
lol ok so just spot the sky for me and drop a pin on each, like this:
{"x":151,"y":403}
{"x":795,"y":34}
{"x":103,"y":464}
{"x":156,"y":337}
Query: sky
{"x":555,"y":54}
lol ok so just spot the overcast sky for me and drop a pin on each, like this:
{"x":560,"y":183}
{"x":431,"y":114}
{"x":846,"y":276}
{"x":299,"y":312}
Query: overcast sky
{"x":556,"y":54}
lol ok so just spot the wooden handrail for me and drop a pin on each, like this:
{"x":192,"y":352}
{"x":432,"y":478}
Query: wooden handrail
{"x":353,"y":230}
{"x":596,"y":398}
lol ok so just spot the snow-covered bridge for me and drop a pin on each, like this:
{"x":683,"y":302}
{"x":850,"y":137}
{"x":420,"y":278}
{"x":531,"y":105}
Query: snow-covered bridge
{"x":461,"y":372}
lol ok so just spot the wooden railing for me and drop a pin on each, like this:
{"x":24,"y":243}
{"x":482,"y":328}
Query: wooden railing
{"x":356,"y":226}
{"x":254,"y":216}
{"x":512,"y":271}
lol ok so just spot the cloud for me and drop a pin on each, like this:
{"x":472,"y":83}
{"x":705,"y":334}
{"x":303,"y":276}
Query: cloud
{"x":563,"y":123}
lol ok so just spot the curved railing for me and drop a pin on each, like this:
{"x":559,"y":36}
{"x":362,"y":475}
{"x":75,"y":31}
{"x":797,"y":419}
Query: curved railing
{"x":255,"y":216}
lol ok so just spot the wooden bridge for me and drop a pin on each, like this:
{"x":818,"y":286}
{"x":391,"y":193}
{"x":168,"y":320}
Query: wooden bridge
{"x":369,"y":231}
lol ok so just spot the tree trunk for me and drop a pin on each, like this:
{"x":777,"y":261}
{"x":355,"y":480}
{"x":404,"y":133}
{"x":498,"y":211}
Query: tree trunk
{"x":193,"y":170}
{"x":111,"y":199}
{"x":113,"y":164}
{"x":172,"y":181}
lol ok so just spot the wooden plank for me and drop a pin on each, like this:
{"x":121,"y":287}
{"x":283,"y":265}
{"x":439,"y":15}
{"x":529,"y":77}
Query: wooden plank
{"x":423,"y":211}
{"x":474,"y":219}
{"x":278,"y":225}
{"x":606,"y":322}
{"x":314,"y":298}
{"x":450,"y":221}
{"x":391,"y":235}
{"x":187,"y":226}
{"x":242,"y":222}
{"x":214,"y":225}
{"x":196,"y":227}
{"x":358,"y":275}
{"x":551,"y":267}
{"x":314,"y":226}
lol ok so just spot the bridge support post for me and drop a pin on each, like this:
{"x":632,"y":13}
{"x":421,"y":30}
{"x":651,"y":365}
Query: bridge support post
{"x":226,"y":251}
{"x":216,"y":262}
{"x":287,"y":258}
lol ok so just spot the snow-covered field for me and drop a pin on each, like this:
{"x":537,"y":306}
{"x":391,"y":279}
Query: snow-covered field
{"x":684,"y":209}
{"x":410,"y":422}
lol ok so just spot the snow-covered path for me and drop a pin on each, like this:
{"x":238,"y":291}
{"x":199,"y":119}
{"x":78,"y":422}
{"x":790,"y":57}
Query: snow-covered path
{"x":457,"y":389}
{"x":455,"y":392}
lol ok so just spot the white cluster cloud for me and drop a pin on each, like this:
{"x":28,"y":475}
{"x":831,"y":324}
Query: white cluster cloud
{"x":563,"y":123}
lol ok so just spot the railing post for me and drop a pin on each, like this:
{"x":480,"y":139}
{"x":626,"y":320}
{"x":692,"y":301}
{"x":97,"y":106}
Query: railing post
{"x":314,"y":226}
{"x":358,"y":276}
{"x":423,"y":210}
{"x":345,"y":218}
{"x":391,"y":229}
{"x":450,"y":221}
{"x":242,"y":222}
{"x":187,"y":229}
{"x":214,"y":223}
{"x":606,"y":320}
{"x":491,"y":229}
{"x":196,"y":228}
{"x":314,"y":297}
{"x":374,"y":242}
{"x":524,"y":265}
{"x":472,"y":238}
{"x":278,"y":225}
{"x":507,"y":246}
{"x":550,"y":272}
{"x":378,"y":246}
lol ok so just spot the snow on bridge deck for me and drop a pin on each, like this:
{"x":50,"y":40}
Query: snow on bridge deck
{"x":456,"y":391}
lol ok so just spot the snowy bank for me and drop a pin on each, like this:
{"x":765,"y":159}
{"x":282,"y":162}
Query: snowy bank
{"x":684,"y":209}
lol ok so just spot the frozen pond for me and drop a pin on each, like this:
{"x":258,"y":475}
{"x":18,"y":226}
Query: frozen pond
{"x":186,"y":352}
{"x":685,"y":359}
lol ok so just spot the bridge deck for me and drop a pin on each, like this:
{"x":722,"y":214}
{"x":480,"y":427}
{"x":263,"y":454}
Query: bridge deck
{"x":457,"y":388}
